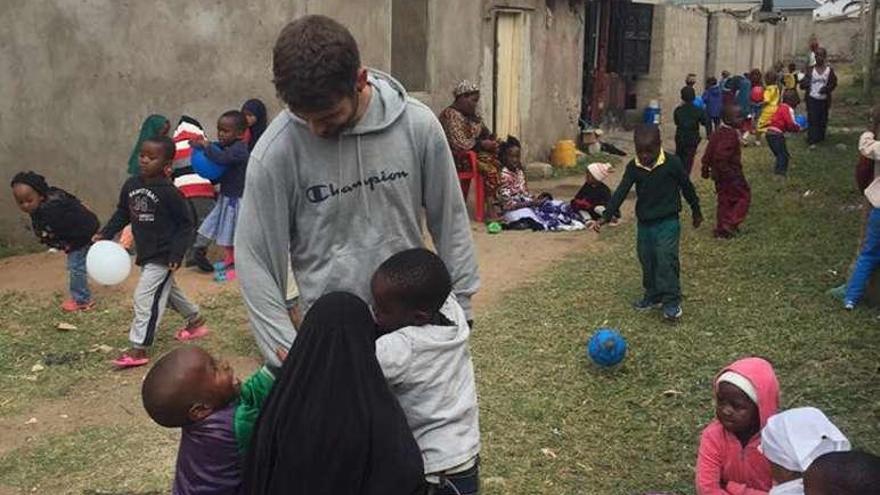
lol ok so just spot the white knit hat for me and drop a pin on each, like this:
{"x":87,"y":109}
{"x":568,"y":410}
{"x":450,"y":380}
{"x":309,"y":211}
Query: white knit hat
{"x":600,"y":171}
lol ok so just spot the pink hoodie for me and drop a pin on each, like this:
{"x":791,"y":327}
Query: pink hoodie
{"x":724,"y":466}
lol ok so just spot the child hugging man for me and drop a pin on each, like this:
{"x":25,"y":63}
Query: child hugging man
{"x":660,"y":180}
{"x":162,"y":227}
{"x":189,"y":389}
{"x":722,"y":162}
{"x":426,"y":360}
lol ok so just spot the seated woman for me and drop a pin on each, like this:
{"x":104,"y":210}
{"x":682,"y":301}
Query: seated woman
{"x":520,"y":209}
{"x":466,"y":132}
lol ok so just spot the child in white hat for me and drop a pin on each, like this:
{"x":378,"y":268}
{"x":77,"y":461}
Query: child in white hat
{"x":594,"y":195}
{"x":792,"y":440}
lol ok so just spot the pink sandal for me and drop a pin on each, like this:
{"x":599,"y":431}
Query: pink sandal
{"x":187,"y":334}
{"x":125,"y":361}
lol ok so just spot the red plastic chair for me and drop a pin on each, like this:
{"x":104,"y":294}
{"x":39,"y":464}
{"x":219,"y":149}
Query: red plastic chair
{"x":465,"y":177}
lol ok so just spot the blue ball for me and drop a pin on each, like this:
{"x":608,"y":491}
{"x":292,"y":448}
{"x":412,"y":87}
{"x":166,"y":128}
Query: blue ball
{"x":698,"y":102}
{"x":606,"y":347}
{"x":204,"y":166}
{"x":801,"y":120}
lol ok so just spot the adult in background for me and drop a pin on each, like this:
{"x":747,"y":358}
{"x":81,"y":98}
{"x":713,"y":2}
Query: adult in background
{"x":466,"y":133}
{"x":342,"y":177}
{"x":818,"y":84}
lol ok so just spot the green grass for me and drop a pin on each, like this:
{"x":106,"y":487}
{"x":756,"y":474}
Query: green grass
{"x":105,"y":460}
{"x":30,"y":337}
{"x":636,"y":428}
{"x":552,"y":423}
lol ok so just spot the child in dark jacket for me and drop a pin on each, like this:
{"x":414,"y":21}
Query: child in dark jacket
{"x":232,"y":153}
{"x":712,"y":97}
{"x":660,"y":181}
{"x":688,"y":120}
{"x":161,"y":225}
{"x":62,"y":222}
{"x":722,"y":162}
{"x":782,"y":121}
{"x":594,"y":195}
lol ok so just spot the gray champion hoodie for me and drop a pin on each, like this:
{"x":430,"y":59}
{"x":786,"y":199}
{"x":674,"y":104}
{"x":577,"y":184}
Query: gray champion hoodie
{"x":344,"y":205}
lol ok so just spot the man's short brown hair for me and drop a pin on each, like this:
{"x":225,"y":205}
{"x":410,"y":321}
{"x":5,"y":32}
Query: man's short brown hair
{"x":315,"y":63}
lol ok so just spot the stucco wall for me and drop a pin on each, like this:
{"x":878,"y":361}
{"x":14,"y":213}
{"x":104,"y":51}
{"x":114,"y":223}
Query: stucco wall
{"x":78,"y":78}
{"x":723,"y":49}
{"x":842,"y":38}
{"x":678,"y":47}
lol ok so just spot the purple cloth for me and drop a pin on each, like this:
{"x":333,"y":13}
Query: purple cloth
{"x":208,"y":459}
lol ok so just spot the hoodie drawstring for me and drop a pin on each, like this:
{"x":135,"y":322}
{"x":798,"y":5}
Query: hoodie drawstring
{"x":363,"y":188}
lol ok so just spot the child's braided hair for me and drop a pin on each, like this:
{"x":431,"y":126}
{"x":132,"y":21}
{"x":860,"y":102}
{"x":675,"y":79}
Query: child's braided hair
{"x":36,"y":181}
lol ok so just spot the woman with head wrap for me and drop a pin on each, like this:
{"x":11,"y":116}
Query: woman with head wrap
{"x":467,"y":133}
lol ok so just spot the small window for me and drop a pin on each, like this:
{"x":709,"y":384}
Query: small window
{"x":409,"y":43}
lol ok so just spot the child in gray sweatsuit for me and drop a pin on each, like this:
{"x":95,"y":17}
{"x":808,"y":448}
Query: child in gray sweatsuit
{"x":426,"y":360}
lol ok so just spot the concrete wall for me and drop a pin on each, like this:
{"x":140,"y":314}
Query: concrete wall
{"x":678,"y":47}
{"x":842,"y":38}
{"x":722,"y":44}
{"x":78,"y":78}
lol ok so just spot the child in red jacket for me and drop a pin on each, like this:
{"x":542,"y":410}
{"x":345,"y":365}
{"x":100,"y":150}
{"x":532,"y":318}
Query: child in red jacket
{"x":722,"y":162}
{"x":783,"y":121}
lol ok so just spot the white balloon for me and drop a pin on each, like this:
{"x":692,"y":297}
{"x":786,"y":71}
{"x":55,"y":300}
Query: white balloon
{"x":108,"y":263}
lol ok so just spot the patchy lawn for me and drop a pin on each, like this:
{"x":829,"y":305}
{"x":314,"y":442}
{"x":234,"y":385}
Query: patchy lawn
{"x":552,"y":423}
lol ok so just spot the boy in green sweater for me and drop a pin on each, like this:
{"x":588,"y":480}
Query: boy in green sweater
{"x":660,"y":180}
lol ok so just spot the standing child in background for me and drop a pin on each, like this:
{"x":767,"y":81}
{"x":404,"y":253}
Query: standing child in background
{"x":770,"y":102}
{"x":729,"y":461}
{"x":792,"y":440}
{"x":744,"y":101}
{"x":818,"y":84}
{"x":162,"y":228}
{"x":198,"y":191}
{"x":722,"y":162}
{"x":660,"y":180}
{"x":843,"y":473}
{"x":792,"y":78}
{"x":232,"y":154}
{"x":425,"y":358}
{"x":60,"y":221}
{"x":757,"y":102}
{"x":728,"y":92}
{"x":713,"y":99}
{"x":189,"y":389}
{"x":593,"y":197}
{"x":869,"y":257}
{"x":688,"y":120}
{"x":153,"y":126}
{"x":783,"y":121}
{"x":255,"y":115}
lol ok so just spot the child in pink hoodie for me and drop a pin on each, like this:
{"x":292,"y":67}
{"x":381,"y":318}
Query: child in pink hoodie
{"x":729,"y":462}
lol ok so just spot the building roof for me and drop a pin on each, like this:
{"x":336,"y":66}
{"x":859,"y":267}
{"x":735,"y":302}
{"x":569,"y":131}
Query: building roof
{"x":778,"y":5}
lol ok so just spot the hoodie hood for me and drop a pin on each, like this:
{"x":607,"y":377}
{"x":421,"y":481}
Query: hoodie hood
{"x":386,"y":105}
{"x":761,"y":375}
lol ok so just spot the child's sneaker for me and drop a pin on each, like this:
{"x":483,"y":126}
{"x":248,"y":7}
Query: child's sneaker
{"x":672,"y":313}
{"x":849,"y":305}
{"x":646,"y":304}
{"x":71,"y":306}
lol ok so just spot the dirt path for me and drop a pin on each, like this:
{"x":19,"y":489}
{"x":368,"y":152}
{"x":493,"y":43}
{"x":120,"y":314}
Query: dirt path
{"x":506,"y":261}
